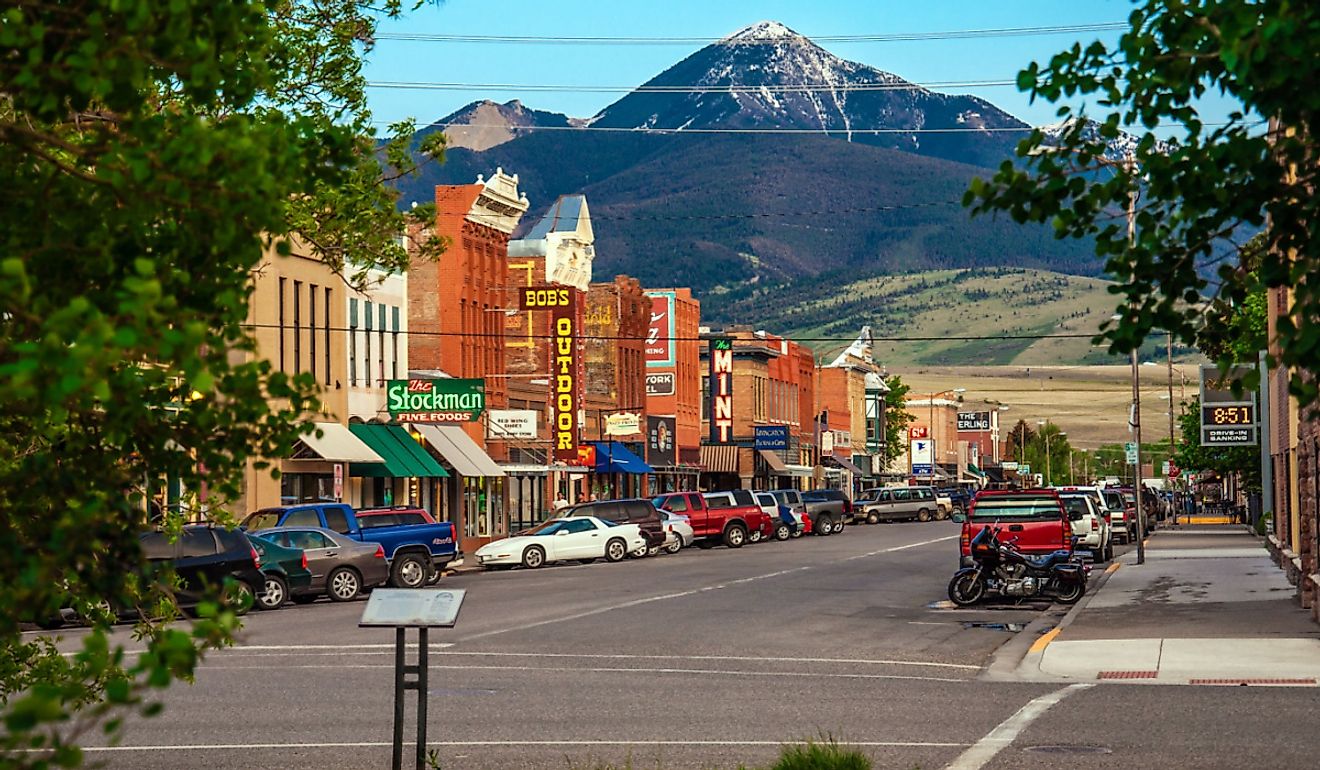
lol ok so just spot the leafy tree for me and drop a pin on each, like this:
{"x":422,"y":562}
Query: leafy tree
{"x":151,"y":152}
{"x":1049,"y":442}
{"x":1019,"y":438}
{"x":897,"y":419}
{"x":1200,"y":192}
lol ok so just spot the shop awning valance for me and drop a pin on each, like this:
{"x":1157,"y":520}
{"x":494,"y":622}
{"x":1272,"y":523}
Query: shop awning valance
{"x":459,"y":450}
{"x":614,"y":457}
{"x":337,"y":444}
{"x":772,"y":461}
{"x":403,"y":457}
{"x":721,"y":458}
{"x":975,"y":471}
{"x":847,"y":464}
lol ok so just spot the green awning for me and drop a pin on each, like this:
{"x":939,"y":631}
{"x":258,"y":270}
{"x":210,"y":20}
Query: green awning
{"x":404,"y":458}
{"x":975,"y":471}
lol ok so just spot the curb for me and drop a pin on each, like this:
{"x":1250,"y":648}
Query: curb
{"x":1019,"y":660}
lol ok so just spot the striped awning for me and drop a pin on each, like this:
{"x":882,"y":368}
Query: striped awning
{"x":721,"y":458}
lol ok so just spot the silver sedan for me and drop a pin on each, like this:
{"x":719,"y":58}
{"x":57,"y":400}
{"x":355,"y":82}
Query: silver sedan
{"x":342,"y":568}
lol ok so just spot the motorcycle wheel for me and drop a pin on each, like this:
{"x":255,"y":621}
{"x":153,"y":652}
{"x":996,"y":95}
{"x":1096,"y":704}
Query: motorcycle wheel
{"x":966,"y":590}
{"x":1069,"y":593}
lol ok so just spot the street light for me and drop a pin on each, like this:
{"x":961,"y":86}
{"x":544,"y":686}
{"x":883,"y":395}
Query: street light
{"x":1049,"y":476}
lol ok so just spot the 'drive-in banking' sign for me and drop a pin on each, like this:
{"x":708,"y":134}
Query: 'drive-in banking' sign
{"x":423,"y":401}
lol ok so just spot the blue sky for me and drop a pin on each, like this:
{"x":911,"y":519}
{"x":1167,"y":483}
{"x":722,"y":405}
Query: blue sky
{"x":917,"y":61}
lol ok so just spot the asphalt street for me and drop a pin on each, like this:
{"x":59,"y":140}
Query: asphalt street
{"x":704,"y":659}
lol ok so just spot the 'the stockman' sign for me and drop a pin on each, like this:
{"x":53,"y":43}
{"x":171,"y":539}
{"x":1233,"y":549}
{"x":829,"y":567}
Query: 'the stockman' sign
{"x":444,"y":400}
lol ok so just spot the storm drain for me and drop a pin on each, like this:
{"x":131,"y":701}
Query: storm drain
{"x":1127,"y":675}
{"x":1069,"y":749}
{"x":1013,"y":627}
{"x":1246,"y":682}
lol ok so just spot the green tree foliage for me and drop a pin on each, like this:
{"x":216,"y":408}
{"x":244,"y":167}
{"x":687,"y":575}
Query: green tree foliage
{"x":897,"y":419}
{"x":150,"y":151}
{"x":1243,"y":461}
{"x":1048,"y":442}
{"x":1199,"y":193}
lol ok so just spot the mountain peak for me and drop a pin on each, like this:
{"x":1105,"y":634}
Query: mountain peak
{"x":762,"y":31}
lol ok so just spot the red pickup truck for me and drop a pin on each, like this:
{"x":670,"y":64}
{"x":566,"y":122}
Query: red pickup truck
{"x":715,"y":521}
{"x":1034,"y":518}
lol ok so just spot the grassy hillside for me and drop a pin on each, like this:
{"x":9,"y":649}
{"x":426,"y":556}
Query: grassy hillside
{"x":939,"y":303}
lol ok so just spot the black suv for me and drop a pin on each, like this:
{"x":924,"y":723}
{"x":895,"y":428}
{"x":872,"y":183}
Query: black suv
{"x":205,"y":556}
{"x":638,"y":511}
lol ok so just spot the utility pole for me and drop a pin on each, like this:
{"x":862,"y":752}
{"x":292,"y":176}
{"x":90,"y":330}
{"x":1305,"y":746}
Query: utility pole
{"x":1130,"y":165}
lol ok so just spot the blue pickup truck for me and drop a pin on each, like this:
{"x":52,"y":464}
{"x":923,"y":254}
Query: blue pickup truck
{"x":416,"y":552}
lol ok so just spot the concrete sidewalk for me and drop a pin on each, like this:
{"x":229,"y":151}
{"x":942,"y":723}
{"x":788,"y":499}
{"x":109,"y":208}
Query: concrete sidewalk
{"x":1207,"y":607}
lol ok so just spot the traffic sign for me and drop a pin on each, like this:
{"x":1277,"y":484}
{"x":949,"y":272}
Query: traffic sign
{"x":1023,"y":469}
{"x":1130,"y":448}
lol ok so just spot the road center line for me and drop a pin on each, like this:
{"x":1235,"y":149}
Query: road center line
{"x":1003,"y":736}
{"x":607,"y":670}
{"x":690,"y":592}
{"x":493,"y":744}
{"x":236,"y":652}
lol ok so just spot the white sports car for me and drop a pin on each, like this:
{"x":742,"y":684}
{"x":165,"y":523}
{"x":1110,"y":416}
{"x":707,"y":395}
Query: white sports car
{"x":580,"y":537}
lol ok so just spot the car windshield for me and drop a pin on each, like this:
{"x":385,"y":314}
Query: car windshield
{"x":545,"y":528}
{"x":263,"y":520}
{"x":1016,"y":508}
{"x":1075,"y":505}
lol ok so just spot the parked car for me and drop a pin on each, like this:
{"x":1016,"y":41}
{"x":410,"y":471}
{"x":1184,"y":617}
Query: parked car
{"x":900,"y":504}
{"x":1121,"y":517}
{"x":341,"y":568}
{"x":1088,"y":525}
{"x":416,"y":552}
{"x":580,"y":537}
{"x":943,"y":503}
{"x":760,"y":525}
{"x":711,"y":524}
{"x":829,"y":508}
{"x":960,"y":496}
{"x":285,"y":571}
{"x":678,"y":531}
{"x":1033,"y":520}
{"x":635,"y":511}
{"x":785,"y":521}
{"x":205,"y":555}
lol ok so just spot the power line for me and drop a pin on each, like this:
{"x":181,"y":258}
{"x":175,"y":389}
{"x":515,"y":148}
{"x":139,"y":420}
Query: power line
{"x":731,"y":88}
{"x":516,"y":335}
{"x":653,"y":131}
{"x":751,"y":215}
{"x":962,"y":34}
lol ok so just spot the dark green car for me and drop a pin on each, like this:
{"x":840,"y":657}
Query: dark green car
{"x":285,"y":570}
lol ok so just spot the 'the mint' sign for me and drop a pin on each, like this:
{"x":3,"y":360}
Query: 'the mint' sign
{"x":423,"y":401}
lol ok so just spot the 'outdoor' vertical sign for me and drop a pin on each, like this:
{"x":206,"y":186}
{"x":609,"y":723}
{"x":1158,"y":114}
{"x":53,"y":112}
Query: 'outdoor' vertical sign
{"x":721,"y":390}
{"x":565,"y":377}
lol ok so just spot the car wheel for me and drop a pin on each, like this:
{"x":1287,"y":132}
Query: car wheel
{"x":653,"y":551}
{"x":838,"y":526}
{"x":754,"y":536}
{"x":275,"y":592}
{"x":433,"y":576}
{"x":533,"y":557}
{"x":872,"y":518}
{"x":824,"y":526}
{"x":675,"y":546}
{"x":923,"y":515}
{"x":409,"y":571}
{"x":782,"y":532}
{"x":966,"y":590}
{"x":240,"y":597}
{"x":799,"y":532}
{"x":615,"y":550}
{"x":343,"y":585}
{"x":735,"y":536}
{"x":941,"y":514}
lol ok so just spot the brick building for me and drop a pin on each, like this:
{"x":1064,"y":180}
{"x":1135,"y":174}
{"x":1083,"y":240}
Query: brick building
{"x":456,"y":307}
{"x":615,"y":324}
{"x":773,"y":385}
{"x":851,"y":412}
{"x":673,"y":381}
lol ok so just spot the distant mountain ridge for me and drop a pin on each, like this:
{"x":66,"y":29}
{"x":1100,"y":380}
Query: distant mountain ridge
{"x":731,"y":212}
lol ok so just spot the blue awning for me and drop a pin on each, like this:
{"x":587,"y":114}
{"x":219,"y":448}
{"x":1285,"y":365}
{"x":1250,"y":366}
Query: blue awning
{"x":613,"y":457}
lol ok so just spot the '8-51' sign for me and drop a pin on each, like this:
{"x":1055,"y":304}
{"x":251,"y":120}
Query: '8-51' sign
{"x":445,"y":400}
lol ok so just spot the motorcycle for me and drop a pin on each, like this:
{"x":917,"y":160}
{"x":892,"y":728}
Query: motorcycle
{"x":1004,"y":570}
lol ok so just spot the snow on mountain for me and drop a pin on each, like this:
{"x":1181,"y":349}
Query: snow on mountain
{"x":769,"y":76}
{"x":485,"y":124}
{"x":1119,"y":148}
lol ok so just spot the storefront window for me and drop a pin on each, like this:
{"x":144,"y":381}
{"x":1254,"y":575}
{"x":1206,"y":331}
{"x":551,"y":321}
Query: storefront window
{"x":306,"y":488}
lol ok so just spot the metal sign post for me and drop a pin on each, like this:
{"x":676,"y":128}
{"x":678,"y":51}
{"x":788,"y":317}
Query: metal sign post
{"x":401,"y":609}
